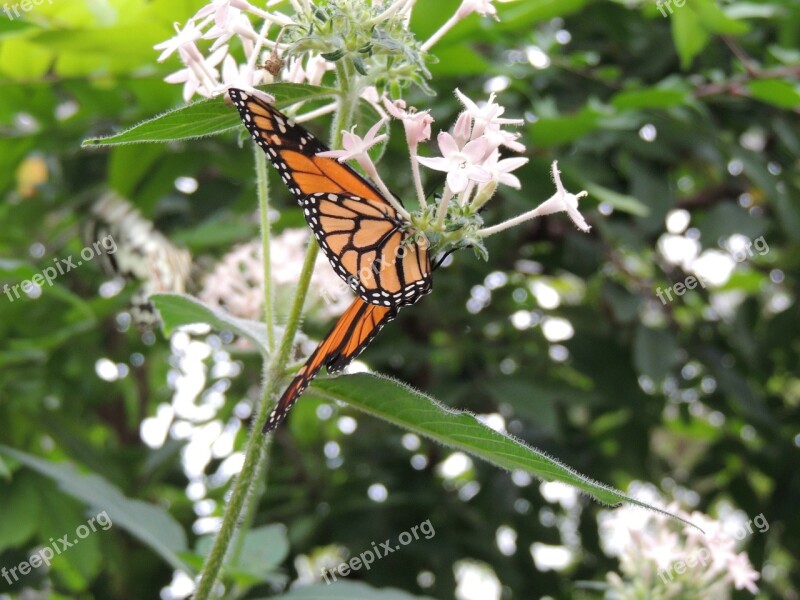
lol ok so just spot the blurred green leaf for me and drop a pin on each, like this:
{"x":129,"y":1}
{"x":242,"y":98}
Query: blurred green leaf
{"x":688,"y":34}
{"x":21,"y":509}
{"x":5,"y":472}
{"x":650,"y":98}
{"x":554,"y":131}
{"x":521,"y":15}
{"x":61,"y":516}
{"x":179,"y":309}
{"x":693,"y":24}
{"x":150,"y":524}
{"x":620,"y":202}
{"x":264,"y":549}
{"x":777,"y":92}
{"x":655,"y":351}
{"x":347,"y":590}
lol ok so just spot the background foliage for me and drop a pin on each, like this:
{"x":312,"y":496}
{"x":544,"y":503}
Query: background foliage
{"x":650,"y":114}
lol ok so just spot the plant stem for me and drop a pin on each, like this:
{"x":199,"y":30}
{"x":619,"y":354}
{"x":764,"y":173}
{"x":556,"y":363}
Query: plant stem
{"x":347,"y":103}
{"x":418,"y":180}
{"x":257,"y":487}
{"x":244,"y":493}
{"x":449,"y":24}
{"x":255,"y":451}
{"x":442,"y":213}
{"x":263,"y":203}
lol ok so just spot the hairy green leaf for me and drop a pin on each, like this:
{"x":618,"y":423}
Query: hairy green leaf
{"x":403,"y":406}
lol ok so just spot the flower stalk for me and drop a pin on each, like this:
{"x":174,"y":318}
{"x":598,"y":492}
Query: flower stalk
{"x":245,"y":494}
{"x":262,"y":183}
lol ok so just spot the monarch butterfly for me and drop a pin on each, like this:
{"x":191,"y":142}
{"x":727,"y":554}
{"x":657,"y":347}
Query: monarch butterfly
{"x":370,"y":246}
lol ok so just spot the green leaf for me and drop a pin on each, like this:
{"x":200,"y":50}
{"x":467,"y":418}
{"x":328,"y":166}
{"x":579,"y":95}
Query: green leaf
{"x":206,"y":117}
{"x":59,"y":516}
{"x":179,"y":309}
{"x":650,"y":98}
{"x":693,"y":24}
{"x":21,"y":509}
{"x":403,"y":406}
{"x":458,"y":61}
{"x":777,"y":92}
{"x":554,"y":131}
{"x":714,"y":18}
{"x":130,"y":164}
{"x":5,"y":472}
{"x":620,"y":202}
{"x":264,"y":549}
{"x":219,"y":230}
{"x":199,"y":119}
{"x":347,"y":590}
{"x":515,"y":15}
{"x":150,"y":524}
{"x":688,"y":34}
{"x":655,"y":352}
{"x":10,"y":28}
{"x":23,"y":60}
{"x":130,"y":43}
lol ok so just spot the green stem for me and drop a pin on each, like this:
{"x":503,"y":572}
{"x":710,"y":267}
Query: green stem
{"x":254,"y":453}
{"x":347,"y":102}
{"x":263,"y":203}
{"x":258,"y":485}
{"x":244,"y":489}
{"x":254,"y":493}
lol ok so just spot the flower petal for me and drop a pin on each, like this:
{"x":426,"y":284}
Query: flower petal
{"x":447,"y":144}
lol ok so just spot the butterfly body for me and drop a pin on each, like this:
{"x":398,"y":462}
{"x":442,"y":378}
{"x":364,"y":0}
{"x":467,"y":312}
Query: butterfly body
{"x":370,"y":246}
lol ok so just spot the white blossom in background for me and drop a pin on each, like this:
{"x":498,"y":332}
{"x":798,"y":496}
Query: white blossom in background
{"x":669,"y":559}
{"x":215,"y":26}
{"x":237,"y":282}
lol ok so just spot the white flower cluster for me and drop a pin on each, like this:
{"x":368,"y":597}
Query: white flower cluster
{"x":470,"y":156}
{"x":222,"y":21}
{"x":219,"y":22}
{"x":237,"y":281}
{"x":666,"y":559}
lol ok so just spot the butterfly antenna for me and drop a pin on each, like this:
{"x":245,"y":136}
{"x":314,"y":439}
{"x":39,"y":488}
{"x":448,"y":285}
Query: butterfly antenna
{"x":438,"y":262}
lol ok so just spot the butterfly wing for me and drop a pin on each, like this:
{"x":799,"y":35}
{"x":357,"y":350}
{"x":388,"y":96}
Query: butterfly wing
{"x":353,"y":332}
{"x":369,"y":249}
{"x":362,"y":235}
{"x":293,"y":150}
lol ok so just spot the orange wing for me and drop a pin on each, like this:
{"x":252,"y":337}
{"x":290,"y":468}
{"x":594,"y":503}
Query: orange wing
{"x":353,"y":332}
{"x":293,"y":150}
{"x":366,"y":241}
{"x":369,"y":248}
